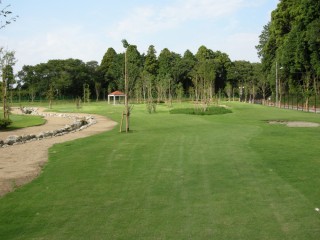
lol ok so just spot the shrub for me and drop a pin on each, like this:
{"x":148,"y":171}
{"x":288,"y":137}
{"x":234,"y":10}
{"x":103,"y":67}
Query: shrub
{"x":193,"y":111}
{"x":4,"y":123}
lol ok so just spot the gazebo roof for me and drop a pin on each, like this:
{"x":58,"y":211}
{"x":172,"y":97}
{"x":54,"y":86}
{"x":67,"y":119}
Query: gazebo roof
{"x":116,"y":93}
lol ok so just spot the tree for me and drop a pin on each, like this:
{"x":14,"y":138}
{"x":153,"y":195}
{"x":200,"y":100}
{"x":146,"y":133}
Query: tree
{"x":291,"y":40}
{"x":29,"y":81}
{"x":186,"y":67}
{"x":242,"y":73}
{"x":179,"y":91}
{"x":7,"y":60}
{"x":228,"y":90}
{"x":86,"y":93}
{"x":204,"y":76}
{"x":164,"y":78}
{"x":126,"y":84}
{"x":177,"y":72}
{"x":150,"y":71}
{"x":6,"y":17}
{"x":134,"y":68}
{"x":95,"y":77}
{"x":50,"y":94}
{"x":111,"y":69}
{"x":10,"y":80}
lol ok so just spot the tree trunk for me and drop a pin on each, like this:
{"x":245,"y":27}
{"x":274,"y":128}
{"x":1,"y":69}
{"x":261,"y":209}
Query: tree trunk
{"x":126,"y":93}
{"x":4,"y":96}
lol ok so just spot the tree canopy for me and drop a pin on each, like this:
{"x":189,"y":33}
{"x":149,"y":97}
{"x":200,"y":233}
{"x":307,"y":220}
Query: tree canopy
{"x":291,"y":40}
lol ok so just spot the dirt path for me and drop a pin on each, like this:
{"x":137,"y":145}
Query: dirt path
{"x":22,"y":163}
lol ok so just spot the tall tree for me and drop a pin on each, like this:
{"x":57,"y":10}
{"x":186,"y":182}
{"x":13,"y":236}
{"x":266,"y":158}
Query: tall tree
{"x":164,"y":81}
{"x":95,"y":77}
{"x":204,"y":76}
{"x":109,"y":70}
{"x":291,"y":41}
{"x":187,"y":64}
{"x":150,"y":71}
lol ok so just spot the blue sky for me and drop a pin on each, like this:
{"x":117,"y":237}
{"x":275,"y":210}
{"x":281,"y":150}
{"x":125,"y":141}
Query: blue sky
{"x":63,"y":29}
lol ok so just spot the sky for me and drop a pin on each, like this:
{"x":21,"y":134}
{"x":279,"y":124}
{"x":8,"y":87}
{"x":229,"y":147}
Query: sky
{"x":61,"y":29}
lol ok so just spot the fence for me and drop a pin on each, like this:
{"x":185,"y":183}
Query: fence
{"x":295,"y":102}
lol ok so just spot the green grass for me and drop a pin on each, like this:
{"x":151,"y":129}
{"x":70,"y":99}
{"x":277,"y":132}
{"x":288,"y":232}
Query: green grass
{"x":22,"y":121}
{"x":176,"y":176}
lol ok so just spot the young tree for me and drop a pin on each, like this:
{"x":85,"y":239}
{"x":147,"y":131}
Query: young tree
{"x":228,"y":90}
{"x":10,"y":80}
{"x":50,"y":94}
{"x":7,"y":60}
{"x":131,"y":73}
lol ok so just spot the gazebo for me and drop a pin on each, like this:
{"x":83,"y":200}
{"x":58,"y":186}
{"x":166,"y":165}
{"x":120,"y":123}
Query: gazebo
{"x":116,"y":96}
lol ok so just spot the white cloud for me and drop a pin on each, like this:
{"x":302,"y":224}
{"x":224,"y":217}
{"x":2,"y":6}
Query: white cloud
{"x":242,"y":46}
{"x":60,"y":43}
{"x":152,"y":19}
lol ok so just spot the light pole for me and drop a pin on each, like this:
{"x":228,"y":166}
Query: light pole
{"x":277,"y":90}
{"x":277,"y":85}
{"x":240,"y":93}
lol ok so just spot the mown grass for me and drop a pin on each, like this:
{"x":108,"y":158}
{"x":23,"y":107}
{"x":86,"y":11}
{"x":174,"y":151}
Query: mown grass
{"x":22,"y":121}
{"x":176,"y":176}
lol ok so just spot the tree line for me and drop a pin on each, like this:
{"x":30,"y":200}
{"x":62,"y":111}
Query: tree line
{"x":289,"y":49}
{"x":151,"y":77}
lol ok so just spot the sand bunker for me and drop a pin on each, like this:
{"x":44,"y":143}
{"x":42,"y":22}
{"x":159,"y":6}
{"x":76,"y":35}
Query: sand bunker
{"x":296,"y":123}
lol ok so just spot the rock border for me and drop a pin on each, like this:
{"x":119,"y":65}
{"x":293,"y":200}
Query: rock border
{"x":79,"y":123}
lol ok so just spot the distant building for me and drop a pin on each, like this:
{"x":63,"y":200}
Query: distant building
{"x":117,"y":96}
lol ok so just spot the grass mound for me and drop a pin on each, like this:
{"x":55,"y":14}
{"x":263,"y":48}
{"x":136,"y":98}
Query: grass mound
{"x":21,"y":121}
{"x":194,"y":111}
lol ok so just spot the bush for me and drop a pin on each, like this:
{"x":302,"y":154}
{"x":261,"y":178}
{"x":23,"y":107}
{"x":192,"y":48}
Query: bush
{"x":209,"y":111}
{"x":4,"y":123}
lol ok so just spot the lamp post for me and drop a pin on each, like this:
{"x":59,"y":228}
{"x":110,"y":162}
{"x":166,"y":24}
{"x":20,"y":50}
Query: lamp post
{"x":277,"y":85}
{"x":240,"y":93}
